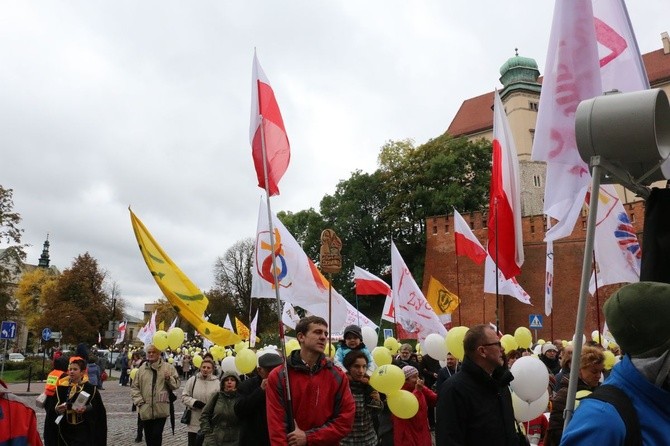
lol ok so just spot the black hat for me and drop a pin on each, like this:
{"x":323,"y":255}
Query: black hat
{"x":353,"y":329}
{"x":270,"y":360}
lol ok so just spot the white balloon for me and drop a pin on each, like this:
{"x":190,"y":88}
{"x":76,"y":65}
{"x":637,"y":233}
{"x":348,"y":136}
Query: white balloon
{"x":435,"y":346}
{"x":531,"y":378}
{"x":369,"y":337}
{"x":228,"y":364}
{"x":537,"y":350}
{"x":583,"y":339}
{"x":524,"y":411}
{"x":443,"y":363}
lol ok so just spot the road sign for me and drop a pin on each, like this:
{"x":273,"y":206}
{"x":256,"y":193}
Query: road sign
{"x":56,"y":335}
{"x":535,"y":320}
{"x":8,"y":330}
{"x":46,"y":334}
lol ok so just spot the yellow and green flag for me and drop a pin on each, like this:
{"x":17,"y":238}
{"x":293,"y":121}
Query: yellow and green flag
{"x":187,"y":300}
{"x":440,"y":298}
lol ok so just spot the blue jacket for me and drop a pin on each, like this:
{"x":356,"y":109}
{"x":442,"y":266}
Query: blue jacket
{"x":596,"y":422}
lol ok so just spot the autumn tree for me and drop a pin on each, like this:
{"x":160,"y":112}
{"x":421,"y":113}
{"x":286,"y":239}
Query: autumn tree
{"x":232,"y":284}
{"x":78,"y":304}
{"x":12,"y":253}
{"x":29,"y":295}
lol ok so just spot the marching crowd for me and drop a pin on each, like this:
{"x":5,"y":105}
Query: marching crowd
{"x":317,"y":401}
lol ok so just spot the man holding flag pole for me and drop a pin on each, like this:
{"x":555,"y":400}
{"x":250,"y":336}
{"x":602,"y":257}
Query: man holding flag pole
{"x":321,"y":409}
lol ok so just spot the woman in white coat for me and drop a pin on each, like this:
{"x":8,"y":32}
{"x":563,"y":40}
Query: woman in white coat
{"x":197,"y":391}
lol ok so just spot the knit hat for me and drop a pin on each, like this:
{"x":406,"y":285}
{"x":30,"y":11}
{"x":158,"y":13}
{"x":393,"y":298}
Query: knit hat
{"x":409,"y":370}
{"x":353,"y":329}
{"x":637,"y":316}
{"x":548,"y":346}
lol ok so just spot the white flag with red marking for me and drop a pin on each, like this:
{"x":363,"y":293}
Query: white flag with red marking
{"x":508,"y":287}
{"x":572,"y":74}
{"x":413,"y":312}
{"x":505,"y":242}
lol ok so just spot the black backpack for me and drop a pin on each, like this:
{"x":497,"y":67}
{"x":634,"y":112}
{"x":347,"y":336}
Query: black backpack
{"x":618,"y":398}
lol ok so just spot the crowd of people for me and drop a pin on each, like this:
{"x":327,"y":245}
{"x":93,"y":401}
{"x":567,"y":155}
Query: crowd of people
{"x":331,"y":402}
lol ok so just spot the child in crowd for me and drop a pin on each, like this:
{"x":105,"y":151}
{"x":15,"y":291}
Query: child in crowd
{"x":353,"y":340}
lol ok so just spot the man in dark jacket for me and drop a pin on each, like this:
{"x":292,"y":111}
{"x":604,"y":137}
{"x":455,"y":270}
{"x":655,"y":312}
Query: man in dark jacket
{"x":475,"y":406}
{"x":250,"y":406}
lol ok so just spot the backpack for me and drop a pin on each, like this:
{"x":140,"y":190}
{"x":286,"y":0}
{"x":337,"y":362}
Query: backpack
{"x":621,"y":402}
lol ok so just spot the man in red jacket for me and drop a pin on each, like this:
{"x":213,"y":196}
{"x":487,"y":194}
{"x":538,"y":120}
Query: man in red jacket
{"x":323,"y":407}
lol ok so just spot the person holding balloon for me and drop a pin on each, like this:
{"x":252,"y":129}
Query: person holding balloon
{"x":197,"y":391}
{"x":368,"y":401}
{"x":414,"y":431}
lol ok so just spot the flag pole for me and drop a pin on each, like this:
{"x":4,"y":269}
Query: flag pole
{"x":289,"y":403}
{"x":595,"y":276}
{"x":458,"y":283}
{"x":495,"y":216}
{"x":358,"y":312}
{"x":330,"y":313}
{"x":583,"y":290}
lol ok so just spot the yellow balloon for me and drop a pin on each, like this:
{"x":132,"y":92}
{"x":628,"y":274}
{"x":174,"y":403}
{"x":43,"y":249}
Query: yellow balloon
{"x":218,"y":352}
{"x":392,"y":345}
{"x":133,"y":372}
{"x":564,"y":343}
{"x":381,"y":356}
{"x":197,"y":360}
{"x":246,"y":361}
{"x":387,"y":379}
{"x":581,"y":395}
{"x":454,"y":341}
{"x":509,"y":343}
{"x":175,"y":337}
{"x":240,"y":346}
{"x":291,"y":345}
{"x":523,"y":337}
{"x":541,"y":341}
{"x":160,"y":340}
{"x":610,"y":359}
{"x":170,"y":360}
{"x":403,"y":404}
{"x":130,"y":355}
{"x":330,"y":350}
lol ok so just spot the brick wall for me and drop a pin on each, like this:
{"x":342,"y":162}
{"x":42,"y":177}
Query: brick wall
{"x":478,"y":307}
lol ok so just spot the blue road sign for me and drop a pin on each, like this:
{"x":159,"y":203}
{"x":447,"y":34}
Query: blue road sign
{"x":8,"y":330}
{"x":46,"y":334}
{"x":535,"y":320}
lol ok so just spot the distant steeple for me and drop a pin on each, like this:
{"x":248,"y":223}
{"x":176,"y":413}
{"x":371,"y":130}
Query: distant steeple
{"x":519,"y":73}
{"x":44,"y":258}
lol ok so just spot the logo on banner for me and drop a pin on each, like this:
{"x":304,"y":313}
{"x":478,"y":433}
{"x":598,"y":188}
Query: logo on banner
{"x":625,"y":235}
{"x":264,"y":252}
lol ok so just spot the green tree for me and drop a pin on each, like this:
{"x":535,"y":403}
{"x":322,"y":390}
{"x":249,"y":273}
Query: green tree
{"x":12,"y":255}
{"x":305,"y":226}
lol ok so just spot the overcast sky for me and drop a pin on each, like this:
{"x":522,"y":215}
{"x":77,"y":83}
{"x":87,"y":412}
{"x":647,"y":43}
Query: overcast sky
{"x":106,"y":104}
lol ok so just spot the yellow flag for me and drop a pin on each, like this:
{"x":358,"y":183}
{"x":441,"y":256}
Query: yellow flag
{"x":242,"y":330}
{"x":189,"y":302}
{"x":161,"y":326}
{"x":440,"y":298}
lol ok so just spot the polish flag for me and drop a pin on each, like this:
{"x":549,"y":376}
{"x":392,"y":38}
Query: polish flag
{"x":466,"y":242}
{"x":368,"y":284}
{"x":267,"y":133}
{"x":505,"y":239}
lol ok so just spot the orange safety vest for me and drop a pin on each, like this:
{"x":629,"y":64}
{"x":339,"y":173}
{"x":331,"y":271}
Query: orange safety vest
{"x":52,"y":382}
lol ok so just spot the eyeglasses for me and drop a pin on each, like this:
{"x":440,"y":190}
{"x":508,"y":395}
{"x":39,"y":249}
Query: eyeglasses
{"x":498,"y":344}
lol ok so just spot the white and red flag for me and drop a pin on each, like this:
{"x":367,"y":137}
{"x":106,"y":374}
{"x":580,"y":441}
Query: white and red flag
{"x":508,"y":287}
{"x":253,"y":326}
{"x":300,"y":281}
{"x":572,"y":74}
{"x":269,"y":143}
{"x":549,"y":275}
{"x":466,"y":242}
{"x":367,"y":284}
{"x":412,"y":310}
{"x":122,"y":332}
{"x":505,"y":243}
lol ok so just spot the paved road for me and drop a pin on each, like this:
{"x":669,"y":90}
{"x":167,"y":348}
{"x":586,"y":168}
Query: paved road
{"x":121,"y":422}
